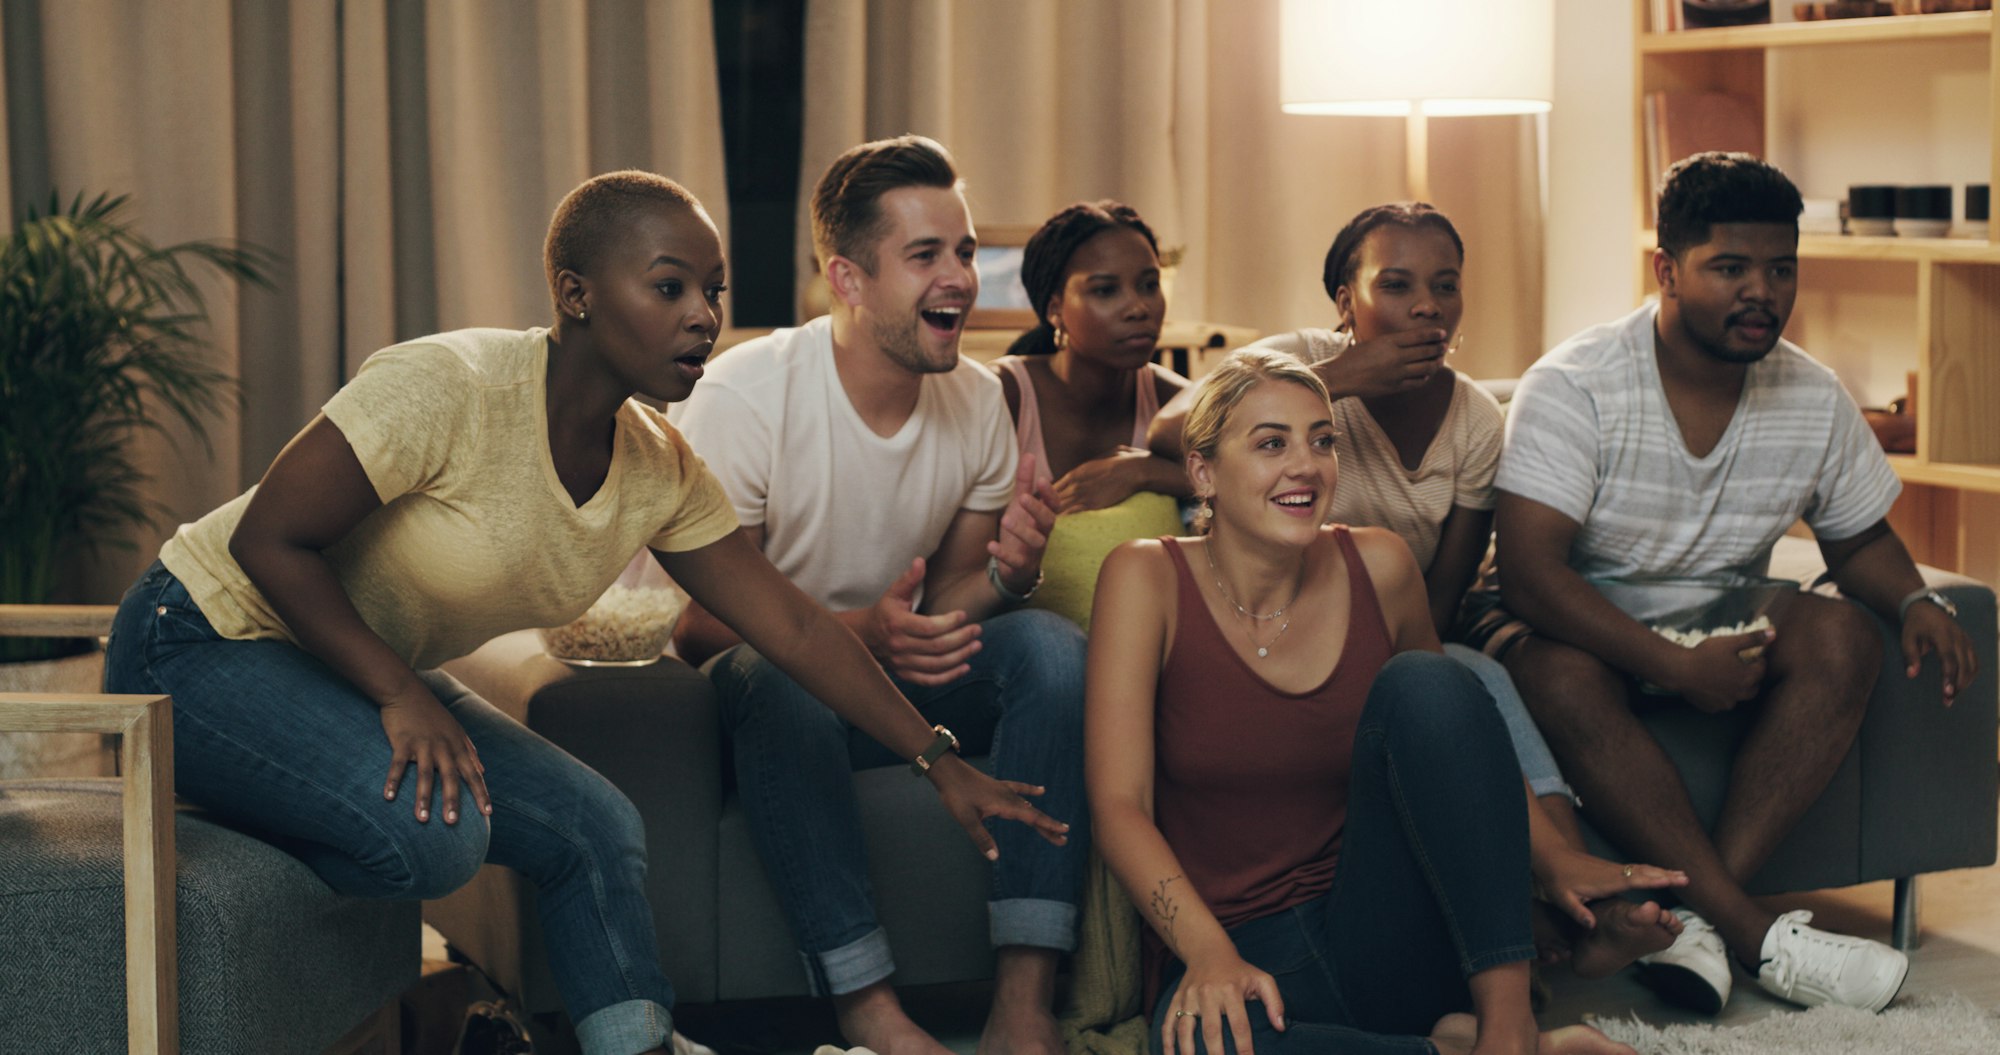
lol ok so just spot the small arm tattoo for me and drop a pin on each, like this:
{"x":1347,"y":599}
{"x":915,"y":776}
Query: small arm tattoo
{"x":1165,"y":911}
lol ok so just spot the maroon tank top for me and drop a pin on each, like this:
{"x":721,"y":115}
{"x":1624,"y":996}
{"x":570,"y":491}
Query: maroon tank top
{"x":1250,"y":783}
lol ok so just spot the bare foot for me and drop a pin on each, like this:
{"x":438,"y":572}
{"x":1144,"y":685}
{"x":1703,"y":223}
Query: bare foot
{"x":873,"y":1018}
{"x":1581,"y":1040}
{"x":1625,"y":931}
{"x":1021,"y":1028}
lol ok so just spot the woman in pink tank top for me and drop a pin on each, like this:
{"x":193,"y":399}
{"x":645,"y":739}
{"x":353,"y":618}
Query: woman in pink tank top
{"x":1313,"y":808}
{"x":1083,"y":389}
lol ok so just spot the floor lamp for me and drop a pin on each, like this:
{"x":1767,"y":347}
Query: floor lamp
{"x":1416,"y":59}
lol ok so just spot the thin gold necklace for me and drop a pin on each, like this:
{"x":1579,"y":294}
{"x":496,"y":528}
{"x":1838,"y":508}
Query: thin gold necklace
{"x":1264,"y":649}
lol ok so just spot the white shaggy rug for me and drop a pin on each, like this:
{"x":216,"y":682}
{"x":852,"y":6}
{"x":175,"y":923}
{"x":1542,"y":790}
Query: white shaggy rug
{"x":1932,"y":1025}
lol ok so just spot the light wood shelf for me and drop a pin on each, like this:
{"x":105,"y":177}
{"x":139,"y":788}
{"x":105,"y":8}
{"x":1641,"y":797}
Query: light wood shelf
{"x":1955,"y":343}
{"x":1955,"y":25}
{"x":1854,"y":247}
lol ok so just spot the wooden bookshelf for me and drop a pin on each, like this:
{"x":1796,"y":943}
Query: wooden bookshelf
{"x":1955,"y":343}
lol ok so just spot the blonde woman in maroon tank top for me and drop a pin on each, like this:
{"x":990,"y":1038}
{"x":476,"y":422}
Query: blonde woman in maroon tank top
{"x":1320,"y":816}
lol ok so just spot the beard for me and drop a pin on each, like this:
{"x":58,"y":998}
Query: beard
{"x":903,"y":343}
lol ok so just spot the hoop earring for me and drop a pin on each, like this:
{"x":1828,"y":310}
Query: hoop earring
{"x":1061,"y":338}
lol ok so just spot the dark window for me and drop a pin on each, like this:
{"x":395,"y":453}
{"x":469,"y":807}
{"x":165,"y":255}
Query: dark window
{"x":760,"y":58}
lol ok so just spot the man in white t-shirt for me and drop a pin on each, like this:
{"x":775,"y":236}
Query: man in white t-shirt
{"x":1681,"y":441}
{"x":878,"y":471}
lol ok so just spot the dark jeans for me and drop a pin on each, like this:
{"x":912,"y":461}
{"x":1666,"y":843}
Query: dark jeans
{"x":1433,"y":883}
{"x":269,"y":737}
{"x":794,"y":766}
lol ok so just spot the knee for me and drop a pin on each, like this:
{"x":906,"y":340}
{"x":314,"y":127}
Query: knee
{"x":750,"y":689}
{"x":1836,"y":642}
{"x":435,"y":858}
{"x":1043,"y":656}
{"x":1427,"y":696}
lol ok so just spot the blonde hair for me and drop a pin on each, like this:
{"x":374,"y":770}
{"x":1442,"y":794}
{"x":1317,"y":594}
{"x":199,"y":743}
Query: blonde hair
{"x":1225,"y":387}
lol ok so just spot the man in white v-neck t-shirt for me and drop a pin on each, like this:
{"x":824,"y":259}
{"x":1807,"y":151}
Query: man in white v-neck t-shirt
{"x":1681,"y":441}
{"x":877,"y":469}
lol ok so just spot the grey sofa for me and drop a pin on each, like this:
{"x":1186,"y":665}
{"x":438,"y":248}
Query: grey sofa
{"x":1920,"y":791}
{"x":653,"y":732}
{"x":1918,"y":794}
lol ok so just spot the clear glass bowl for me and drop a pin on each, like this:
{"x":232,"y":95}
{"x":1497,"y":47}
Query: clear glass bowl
{"x":1686,"y":606}
{"x":629,"y":626}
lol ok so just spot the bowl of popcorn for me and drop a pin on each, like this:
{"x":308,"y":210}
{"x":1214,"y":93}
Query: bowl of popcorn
{"x":629,"y":626}
{"x":1690,"y":611}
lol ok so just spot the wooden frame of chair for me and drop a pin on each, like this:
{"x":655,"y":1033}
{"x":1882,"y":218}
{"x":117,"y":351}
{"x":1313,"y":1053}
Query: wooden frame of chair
{"x":146,"y":758}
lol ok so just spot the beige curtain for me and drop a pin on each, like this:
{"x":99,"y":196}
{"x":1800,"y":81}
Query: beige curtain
{"x":403,"y":158}
{"x":1172,"y":105}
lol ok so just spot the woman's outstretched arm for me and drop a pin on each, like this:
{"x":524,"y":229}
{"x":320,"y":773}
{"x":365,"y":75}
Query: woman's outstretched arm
{"x":737,"y":585}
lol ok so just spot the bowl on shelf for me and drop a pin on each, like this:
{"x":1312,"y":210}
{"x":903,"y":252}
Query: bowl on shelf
{"x":629,"y":626}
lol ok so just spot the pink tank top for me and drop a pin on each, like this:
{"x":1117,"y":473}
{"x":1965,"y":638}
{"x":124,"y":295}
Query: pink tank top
{"x":1028,"y":423}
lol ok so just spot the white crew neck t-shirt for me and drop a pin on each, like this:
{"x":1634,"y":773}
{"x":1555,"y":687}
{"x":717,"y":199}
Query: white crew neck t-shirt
{"x":844,"y":510}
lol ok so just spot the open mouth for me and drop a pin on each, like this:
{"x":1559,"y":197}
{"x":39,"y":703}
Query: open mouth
{"x":1296,"y":502}
{"x":944,"y":320}
{"x":693,"y":361}
{"x":1757,"y":325}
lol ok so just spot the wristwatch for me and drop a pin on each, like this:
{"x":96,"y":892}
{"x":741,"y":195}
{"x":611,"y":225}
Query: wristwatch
{"x":944,"y":742}
{"x":1926,"y":594}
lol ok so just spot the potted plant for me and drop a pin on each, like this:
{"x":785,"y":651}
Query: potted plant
{"x":100,"y":337}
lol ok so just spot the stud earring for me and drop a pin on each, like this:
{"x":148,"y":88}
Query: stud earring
{"x":582,"y":316}
{"x":1202,"y":515}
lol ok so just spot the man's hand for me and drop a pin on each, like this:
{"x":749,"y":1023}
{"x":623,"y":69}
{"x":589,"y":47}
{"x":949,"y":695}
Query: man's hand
{"x":1393,"y":362}
{"x":1930,"y":630}
{"x":1722,"y":672}
{"x":1101,"y":483}
{"x":1024,"y":529}
{"x":924,"y":649}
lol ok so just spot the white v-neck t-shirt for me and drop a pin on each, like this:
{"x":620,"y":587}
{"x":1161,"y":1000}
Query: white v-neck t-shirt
{"x":1590,"y":434}
{"x":844,"y":510}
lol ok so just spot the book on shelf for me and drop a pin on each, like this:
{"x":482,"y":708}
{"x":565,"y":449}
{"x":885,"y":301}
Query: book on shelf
{"x":1680,"y":123}
{"x":1826,"y":10}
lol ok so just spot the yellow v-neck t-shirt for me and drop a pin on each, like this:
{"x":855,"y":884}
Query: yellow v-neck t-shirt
{"x":476,"y":535}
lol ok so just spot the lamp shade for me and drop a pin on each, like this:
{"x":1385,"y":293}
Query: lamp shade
{"x":1447,"y":57}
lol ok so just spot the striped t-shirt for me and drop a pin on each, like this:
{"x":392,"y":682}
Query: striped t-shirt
{"x":1589,"y":434}
{"x":1375,"y":489}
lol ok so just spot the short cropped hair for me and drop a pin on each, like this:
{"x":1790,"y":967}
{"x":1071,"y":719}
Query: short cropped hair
{"x":846,"y":205}
{"x":1225,"y":386}
{"x":1707,"y":189}
{"x":590,"y":217}
{"x":1343,"y":258}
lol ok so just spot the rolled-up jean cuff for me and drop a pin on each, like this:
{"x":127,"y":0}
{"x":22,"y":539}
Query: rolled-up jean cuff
{"x":1033,"y":922}
{"x":855,"y":965}
{"x":625,"y":1028}
{"x":1497,"y":958}
{"x":1546,"y":786}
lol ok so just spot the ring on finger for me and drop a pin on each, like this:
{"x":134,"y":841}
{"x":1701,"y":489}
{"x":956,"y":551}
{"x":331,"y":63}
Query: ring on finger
{"x":1628,"y":871}
{"x":1185,"y":1013}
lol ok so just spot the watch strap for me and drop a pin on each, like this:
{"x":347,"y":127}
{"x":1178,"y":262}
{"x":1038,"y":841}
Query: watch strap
{"x":1926,"y":594}
{"x":944,"y":741}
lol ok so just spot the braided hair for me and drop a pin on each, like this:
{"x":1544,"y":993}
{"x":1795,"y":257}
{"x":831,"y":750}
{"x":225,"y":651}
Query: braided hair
{"x":1045,"y":261}
{"x":1343,"y":259}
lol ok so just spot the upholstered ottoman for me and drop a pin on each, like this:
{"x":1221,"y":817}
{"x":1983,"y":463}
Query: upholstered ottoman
{"x":270,"y":960}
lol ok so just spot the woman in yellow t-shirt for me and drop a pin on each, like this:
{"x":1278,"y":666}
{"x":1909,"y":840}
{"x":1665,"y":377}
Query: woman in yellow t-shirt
{"x":1083,"y":389}
{"x":461,"y":486}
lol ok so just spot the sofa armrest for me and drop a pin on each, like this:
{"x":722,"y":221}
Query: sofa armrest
{"x":652,"y":731}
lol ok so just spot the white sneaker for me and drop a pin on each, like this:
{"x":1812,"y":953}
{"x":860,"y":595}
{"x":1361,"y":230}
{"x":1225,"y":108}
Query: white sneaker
{"x":1692,"y":972}
{"x":1809,"y":966}
{"x":681,"y":1045}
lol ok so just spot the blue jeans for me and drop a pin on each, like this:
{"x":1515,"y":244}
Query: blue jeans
{"x":795,"y":757}
{"x":268,"y":737}
{"x":1433,"y":883}
{"x":1538,"y":764}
